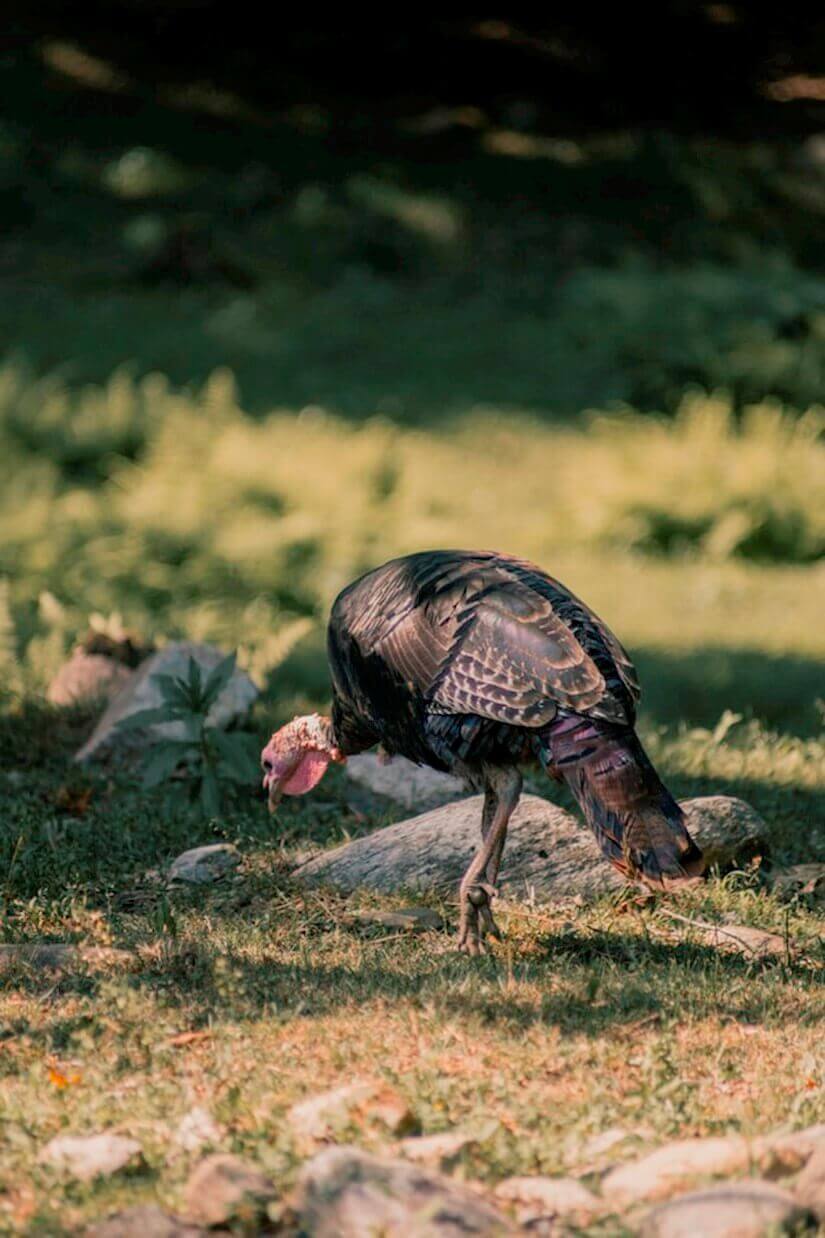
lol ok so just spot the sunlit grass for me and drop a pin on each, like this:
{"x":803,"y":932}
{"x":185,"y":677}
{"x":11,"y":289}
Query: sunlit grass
{"x":182,"y":512}
{"x":699,"y":539}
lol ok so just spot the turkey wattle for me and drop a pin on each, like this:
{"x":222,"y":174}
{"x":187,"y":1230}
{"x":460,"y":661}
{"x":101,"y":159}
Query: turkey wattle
{"x":481,"y":664}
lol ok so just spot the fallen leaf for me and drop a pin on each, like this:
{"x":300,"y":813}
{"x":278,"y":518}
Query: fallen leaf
{"x":61,"y":1081}
{"x":188,"y":1038}
{"x":73,"y":800}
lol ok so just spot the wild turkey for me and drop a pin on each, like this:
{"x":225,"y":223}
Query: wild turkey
{"x":480,"y":664}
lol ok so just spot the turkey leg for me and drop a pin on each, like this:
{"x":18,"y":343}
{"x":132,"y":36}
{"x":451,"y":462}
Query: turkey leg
{"x":477,"y":890}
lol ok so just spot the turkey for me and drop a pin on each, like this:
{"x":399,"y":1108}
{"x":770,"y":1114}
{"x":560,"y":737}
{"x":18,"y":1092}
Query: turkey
{"x":481,"y":664}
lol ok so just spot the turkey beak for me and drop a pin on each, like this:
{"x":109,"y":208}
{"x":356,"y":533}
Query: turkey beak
{"x":274,"y":794}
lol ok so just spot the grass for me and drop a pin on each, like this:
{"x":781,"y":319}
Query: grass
{"x":369,"y":352}
{"x":587,"y":1017}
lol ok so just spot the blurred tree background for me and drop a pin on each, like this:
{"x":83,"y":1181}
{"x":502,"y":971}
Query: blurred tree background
{"x":282,"y":298}
{"x":414,"y":217}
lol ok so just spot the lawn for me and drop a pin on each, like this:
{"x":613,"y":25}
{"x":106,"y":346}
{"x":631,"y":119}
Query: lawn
{"x":360,"y":355}
{"x":251,"y":994}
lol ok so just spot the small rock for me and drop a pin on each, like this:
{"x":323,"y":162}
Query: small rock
{"x":143,"y":692}
{"x":413,"y":919}
{"x":200,"y":865}
{"x":60,"y":956}
{"x":780,"y":1154}
{"x":196,"y":1130}
{"x":807,"y":880}
{"x":742,"y":939}
{"x":660,"y":1172}
{"x":810,"y":1185}
{"x":410,"y":785}
{"x":345,"y":1193}
{"x":145,"y":1221}
{"x":548,"y":1197}
{"x":437,"y":1151}
{"x":224,"y":1188}
{"x":322,"y":1116}
{"x":550,"y":855}
{"x":748,"y":1209}
{"x":88,"y":678}
{"x":727,"y":829}
{"x":90,"y":1156}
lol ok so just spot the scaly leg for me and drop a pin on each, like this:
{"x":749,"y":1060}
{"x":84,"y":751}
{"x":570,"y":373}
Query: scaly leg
{"x":501,"y":794}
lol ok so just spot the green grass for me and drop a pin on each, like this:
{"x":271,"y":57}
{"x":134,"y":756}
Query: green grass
{"x":397,"y":349}
{"x":240,"y":531}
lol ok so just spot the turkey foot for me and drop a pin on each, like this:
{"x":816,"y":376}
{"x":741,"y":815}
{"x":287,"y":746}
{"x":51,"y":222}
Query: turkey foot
{"x":477,"y":920}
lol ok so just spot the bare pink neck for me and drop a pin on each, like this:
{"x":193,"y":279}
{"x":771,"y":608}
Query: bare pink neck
{"x":317,"y":733}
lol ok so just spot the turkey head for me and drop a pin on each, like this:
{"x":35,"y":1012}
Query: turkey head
{"x":296,"y":757}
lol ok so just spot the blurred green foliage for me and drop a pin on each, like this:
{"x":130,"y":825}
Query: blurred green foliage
{"x":246,"y":362}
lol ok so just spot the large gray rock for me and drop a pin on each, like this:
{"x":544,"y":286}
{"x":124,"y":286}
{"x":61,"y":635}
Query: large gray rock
{"x":345,"y":1193}
{"x":549,"y":853}
{"x":142,"y":693}
{"x":737,"y":1210}
{"x":414,"y":787}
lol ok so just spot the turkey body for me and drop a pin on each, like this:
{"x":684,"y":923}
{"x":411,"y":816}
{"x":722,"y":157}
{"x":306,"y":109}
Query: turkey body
{"x":478,"y":663}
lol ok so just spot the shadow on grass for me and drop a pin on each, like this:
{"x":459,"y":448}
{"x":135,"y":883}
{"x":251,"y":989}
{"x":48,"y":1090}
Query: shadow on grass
{"x":607,"y":980}
{"x":696,"y":686}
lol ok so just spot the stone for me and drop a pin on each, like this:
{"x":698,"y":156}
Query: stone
{"x":750,"y":1209}
{"x":197,"y":1129}
{"x":781,"y":1153}
{"x":414,"y":787}
{"x":142,"y":692}
{"x":144,"y":1221}
{"x":550,"y":1198}
{"x":807,"y":880}
{"x":200,"y":865}
{"x":671,"y":1166}
{"x":810,"y":1185}
{"x":549,"y":855}
{"x":321,"y":1117}
{"x":411,"y":919}
{"x":88,"y":679}
{"x":90,"y":1156}
{"x":224,"y":1188}
{"x":60,"y":956}
{"x":346,"y":1193}
{"x":441,"y":1151}
{"x":728,"y":829}
{"x":739,"y":938}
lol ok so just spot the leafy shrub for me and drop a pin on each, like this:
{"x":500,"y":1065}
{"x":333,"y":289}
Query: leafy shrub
{"x":206,"y":759}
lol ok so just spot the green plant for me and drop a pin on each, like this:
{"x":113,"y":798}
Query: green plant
{"x":197,"y":764}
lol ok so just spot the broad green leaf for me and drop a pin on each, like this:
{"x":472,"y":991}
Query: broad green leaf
{"x":161,"y":763}
{"x":147,"y":717}
{"x":217,"y":680}
{"x":194,"y":683}
{"x":172,"y":690}
{"x":238,"y":761}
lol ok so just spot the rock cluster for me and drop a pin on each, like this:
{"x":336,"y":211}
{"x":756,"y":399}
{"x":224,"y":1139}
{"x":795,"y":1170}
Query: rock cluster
{"x":717,"y":1187}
